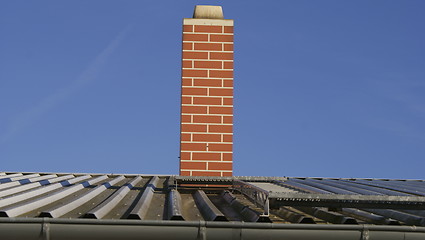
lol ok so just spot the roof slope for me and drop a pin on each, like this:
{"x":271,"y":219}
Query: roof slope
{"x":236,"y":199}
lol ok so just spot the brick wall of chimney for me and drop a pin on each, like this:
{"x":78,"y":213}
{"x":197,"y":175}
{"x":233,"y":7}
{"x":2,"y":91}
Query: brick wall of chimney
{"x":206,"y":142}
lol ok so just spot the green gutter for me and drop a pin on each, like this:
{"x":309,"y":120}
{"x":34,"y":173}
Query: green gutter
{"x":70,"y":229}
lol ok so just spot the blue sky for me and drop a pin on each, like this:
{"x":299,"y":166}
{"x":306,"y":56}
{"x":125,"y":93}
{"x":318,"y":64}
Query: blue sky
{"x":322,"y":88}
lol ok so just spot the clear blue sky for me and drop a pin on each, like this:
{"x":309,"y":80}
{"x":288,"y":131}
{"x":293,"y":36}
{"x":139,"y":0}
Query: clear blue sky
{"x":322,"y":88}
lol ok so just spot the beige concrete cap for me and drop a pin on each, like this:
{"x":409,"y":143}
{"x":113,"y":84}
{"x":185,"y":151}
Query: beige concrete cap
{"x":208,"y":12}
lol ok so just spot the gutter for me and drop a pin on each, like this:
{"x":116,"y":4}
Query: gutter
{"x":70,"y":229}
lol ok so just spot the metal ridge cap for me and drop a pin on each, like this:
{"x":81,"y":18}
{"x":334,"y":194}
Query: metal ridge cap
{"x":361,"y":178}
{"x":351,"y":197}
{"x":211,"y":224}
{"x":84,"y":173}
{"x":242,"y":178}
{"x":245,"y":178}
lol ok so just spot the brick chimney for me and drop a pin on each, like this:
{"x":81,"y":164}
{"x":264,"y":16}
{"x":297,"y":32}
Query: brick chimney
{"x":206,"y":139}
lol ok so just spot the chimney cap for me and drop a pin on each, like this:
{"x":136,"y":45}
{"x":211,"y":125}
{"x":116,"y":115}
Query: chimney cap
{"x":208,"y":12}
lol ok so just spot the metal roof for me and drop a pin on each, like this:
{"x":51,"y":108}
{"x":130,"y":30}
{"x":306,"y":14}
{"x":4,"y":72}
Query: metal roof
{"x":281,"y":200}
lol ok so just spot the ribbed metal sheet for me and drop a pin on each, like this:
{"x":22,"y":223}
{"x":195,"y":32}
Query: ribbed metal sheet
{"x":147,"y":197}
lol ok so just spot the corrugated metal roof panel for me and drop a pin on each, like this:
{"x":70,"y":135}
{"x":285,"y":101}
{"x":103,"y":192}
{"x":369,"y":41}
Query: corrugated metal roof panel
{"x":249,"y":199}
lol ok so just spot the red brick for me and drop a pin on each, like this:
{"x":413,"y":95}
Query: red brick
{"x":206,"y":119}
{"x":227,"y":119}
{"x":227,"y":101}
{"x":195,"y":55}
{"x":206,"y":156}
{"x":220,"y":92}
{"x":185,"y":137}
{"x":194,"y":109}
{"x":189,"y":28}
{"x":185,"y":156}
{"x":228,"y":65}
{"x":193,"y":128}
{"x":228,"y":47}
{"x":194,"y":73}
{"x":228,"y":29}
{"x":207,"y":100}
{"x":186,"y":118}
{"x":201,"y":173}
{"x":186,"y":82}
{"x":208,"y":29}
{"x":208,"y":82}
{"x":227,"y":83}
{"x":193,"y":146}
{"x":186,"y":100}
{"x":221,"y":38}
{"x":194,"y":91}
{"x":220,"y":128}
{"x":221,"y":110}
{"x":221,"y":55}
{"x":220,"y":74}
{"x":209,"y":46}
{"x":226,"y":174}
{"x":193,"y":165}
{"x":187,"y":46}
{"x":220,"y":147}
{"x":187,"y":64}
{"x":206,"y":137}
{"x":208,"y":64}
{"x":195,"y":37}
{"x":220,"y":166}
{"x":227,"y":138}
{"x":185,"y":173}
{"x":227,"y":156}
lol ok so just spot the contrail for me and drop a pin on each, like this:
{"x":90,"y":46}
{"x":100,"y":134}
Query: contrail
{"x":87,"y":76}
